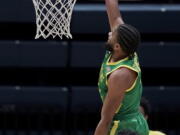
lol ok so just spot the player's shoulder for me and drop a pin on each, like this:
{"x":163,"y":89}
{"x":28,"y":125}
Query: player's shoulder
{"x":155,"y":133}
{"x":122,"y":72}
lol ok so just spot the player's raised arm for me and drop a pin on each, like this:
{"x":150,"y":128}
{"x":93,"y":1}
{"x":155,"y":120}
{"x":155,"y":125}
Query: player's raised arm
{"x":114,"y":14}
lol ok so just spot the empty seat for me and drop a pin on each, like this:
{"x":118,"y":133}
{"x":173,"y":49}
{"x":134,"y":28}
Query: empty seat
{"x":158,"y":55}
{"x":85,"y":109}
{"x":8,"y":54}
{"x":43,"y":54}
{"x":10,"y":132}
{"x":163,"y":98}
{"x":57,"y":133}
{"x":87,"y":54}
{"x":33,"y":54}
{"x":34,"y":133}
{"x":45,"y":96}
{"x":45,"y":133}
{"x":85,"y":100}
{"x":21,"y":132}
{"x":17,"y":11}
{"x":9,"y":95}
{"x":34,"y":96}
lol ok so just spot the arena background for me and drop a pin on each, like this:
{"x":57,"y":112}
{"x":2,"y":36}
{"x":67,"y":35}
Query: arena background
{"x":49,"y":87}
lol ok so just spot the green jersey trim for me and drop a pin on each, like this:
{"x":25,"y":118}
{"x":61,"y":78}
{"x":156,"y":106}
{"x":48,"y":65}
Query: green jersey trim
{"x":115,"y":63}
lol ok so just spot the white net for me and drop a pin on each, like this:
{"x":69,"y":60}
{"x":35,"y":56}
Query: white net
{"x":53,"y":17}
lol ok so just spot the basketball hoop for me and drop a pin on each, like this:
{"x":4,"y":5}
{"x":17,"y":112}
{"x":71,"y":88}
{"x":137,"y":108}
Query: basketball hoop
{"x":53,"y":17}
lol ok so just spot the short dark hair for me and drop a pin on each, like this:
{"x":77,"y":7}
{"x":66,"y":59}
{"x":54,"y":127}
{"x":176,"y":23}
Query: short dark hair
{"x":127,"y":132}
{"x":129,"y":38}
{"x":146,"y":106}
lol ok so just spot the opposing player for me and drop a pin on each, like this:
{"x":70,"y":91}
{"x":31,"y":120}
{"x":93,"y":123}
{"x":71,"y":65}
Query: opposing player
{"x":145,"y":108}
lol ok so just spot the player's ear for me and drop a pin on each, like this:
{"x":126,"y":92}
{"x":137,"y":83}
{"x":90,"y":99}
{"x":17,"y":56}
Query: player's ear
{"x":117,"y":46}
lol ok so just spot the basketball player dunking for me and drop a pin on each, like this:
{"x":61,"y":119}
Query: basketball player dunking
{"x":120,"y":79}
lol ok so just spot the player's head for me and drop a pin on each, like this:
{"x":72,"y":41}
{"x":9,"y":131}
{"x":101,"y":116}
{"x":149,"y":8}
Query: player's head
{"x":145,"y":107}
{"x":125,"y":38}
{"x":127,"y":132}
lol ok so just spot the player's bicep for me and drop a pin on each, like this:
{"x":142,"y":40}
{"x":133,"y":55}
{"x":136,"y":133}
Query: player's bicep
{"x":111,"y":104}
{"x":119,"y":81}
{"x":114,"y":96}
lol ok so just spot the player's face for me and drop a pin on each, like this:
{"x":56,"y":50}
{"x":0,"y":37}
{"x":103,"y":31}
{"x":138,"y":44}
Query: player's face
{"x":111,"y":41}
